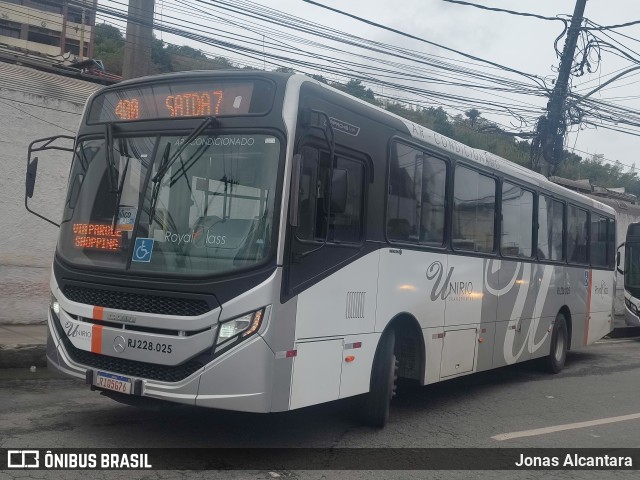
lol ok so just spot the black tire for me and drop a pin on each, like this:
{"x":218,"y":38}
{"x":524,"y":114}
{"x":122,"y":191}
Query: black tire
{"x":554,"y":363}
{"x":375,"y":410}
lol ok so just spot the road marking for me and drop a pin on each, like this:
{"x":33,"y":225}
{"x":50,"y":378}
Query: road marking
{"x":568,"y":426}
{"x":618,"y":341}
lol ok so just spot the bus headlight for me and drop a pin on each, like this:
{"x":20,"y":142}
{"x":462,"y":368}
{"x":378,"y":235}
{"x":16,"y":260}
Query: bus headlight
{"x":631,"y":306}
{"x":55,"y":306}
{"x":240,"y":327}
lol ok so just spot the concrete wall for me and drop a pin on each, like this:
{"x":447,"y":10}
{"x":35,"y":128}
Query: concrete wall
{"x":27,"y":243}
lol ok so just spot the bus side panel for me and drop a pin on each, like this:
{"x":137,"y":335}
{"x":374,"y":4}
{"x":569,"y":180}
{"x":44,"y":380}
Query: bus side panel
{"x":466,"y":307}
{"x":405,"y":287}
{"x":552,"y":294}
{"x":577,"y":281}
{"x":511,"y":282}
{"x":316,"y":373}
{"x":415,"y":283}
{"x":357,"y":356}
{"x":466,"y":302}
{"x":602,"y":293}
{"x":343,"y":303}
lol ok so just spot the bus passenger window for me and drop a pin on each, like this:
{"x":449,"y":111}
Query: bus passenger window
{"x":599,"y":239}
{"x":612,"y":243}
{"x":577,"y":235}
{"x":517,"y":221}
{"x":551,"y":226}
{"x":474,"y":204}
{"x":313,"y":207}
{"x":416,"y":202}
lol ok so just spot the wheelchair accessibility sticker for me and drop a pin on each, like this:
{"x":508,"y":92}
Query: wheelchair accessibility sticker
{"x":142,"y":250}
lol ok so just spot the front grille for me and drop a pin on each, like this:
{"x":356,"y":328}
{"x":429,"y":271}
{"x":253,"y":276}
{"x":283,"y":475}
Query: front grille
{"x":136,"y":302}
{"x":163,"y":373}
{"x":132,"y":368}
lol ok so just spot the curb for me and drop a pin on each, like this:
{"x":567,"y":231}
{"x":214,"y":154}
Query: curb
{"x":23,"y":356}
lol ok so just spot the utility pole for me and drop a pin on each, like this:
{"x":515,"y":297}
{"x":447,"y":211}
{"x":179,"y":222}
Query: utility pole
{"x":137,"y":46}
{"x":552,"y":129}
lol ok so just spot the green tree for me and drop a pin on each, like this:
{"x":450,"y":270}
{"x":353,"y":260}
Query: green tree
{"x":160,"y":58}
{"x":185,"y":51}
{"x":320,"y":78}
{"x":357,"y":89}
{"x":108,"y":46}
{"x":473,"y":115}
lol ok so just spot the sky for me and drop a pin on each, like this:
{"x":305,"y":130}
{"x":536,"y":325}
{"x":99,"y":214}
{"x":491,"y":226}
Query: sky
{"x":522,"y":43}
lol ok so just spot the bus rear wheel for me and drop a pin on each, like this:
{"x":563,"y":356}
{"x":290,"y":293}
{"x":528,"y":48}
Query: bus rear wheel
{"x":554,"y":363}
{"x":375,"y":411}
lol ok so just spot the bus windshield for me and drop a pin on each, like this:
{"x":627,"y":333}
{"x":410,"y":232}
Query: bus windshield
{"x":632,"y":267}
{"x":210,"y":212}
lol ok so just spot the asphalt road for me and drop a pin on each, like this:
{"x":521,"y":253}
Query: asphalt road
{"x":38,"y":410}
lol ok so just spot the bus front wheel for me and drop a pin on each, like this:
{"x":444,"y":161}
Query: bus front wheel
{"x":384,"y":375}
{"x":559,"y":345}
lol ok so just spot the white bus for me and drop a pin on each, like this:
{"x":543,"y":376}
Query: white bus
{"x":631,"y":275}
{"x":263,"y":242}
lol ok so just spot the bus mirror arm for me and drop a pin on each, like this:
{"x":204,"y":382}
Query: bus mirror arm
{"x":32,"y":168}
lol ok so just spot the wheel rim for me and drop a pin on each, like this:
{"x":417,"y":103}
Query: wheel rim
{"x":559,"y":346}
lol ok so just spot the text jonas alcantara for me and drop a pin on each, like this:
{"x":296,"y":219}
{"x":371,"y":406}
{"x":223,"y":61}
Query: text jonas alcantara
{"x":574,"y":460}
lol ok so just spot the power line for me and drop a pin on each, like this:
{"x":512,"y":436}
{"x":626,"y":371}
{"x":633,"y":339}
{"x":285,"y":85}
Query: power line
{"x":502,"y":10}
{"x":399,"y":32}
{"x":611,"y":27}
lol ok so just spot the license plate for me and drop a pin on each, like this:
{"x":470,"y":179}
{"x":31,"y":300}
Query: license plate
{"x":117,"y":383}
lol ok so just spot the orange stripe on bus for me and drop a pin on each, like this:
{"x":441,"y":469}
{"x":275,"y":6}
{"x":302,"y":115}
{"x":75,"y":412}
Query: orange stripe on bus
{"x":96,"y":338}
{"x":586,"y":329}
{"x":97,"y":313}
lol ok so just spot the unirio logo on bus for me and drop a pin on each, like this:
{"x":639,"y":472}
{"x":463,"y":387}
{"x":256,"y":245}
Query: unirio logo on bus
{"x":447,"y":289}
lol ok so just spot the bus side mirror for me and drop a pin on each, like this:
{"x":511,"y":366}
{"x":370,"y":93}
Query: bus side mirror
{"x":42,"y":144}
{"x":339,"y":189}
{"x":32,"y":171}
{"x":620,"y":271}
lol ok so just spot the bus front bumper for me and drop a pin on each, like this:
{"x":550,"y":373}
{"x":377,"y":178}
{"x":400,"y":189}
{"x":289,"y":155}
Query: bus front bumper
{"x":237,"y":380}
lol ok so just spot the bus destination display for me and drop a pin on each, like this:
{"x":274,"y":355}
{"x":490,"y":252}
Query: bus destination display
{"x":182,"y":100}
{"x":96,"y":237}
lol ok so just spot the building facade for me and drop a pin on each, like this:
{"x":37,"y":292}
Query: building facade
{"x":54,"y":28}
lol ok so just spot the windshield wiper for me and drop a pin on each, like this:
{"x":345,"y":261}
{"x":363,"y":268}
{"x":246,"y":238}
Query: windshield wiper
{"x":119,"y":193}
{"x":166,"y":162}
{"x":195,"y":133}
{"x":156,"y":185}
{"x":111,"y":166}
